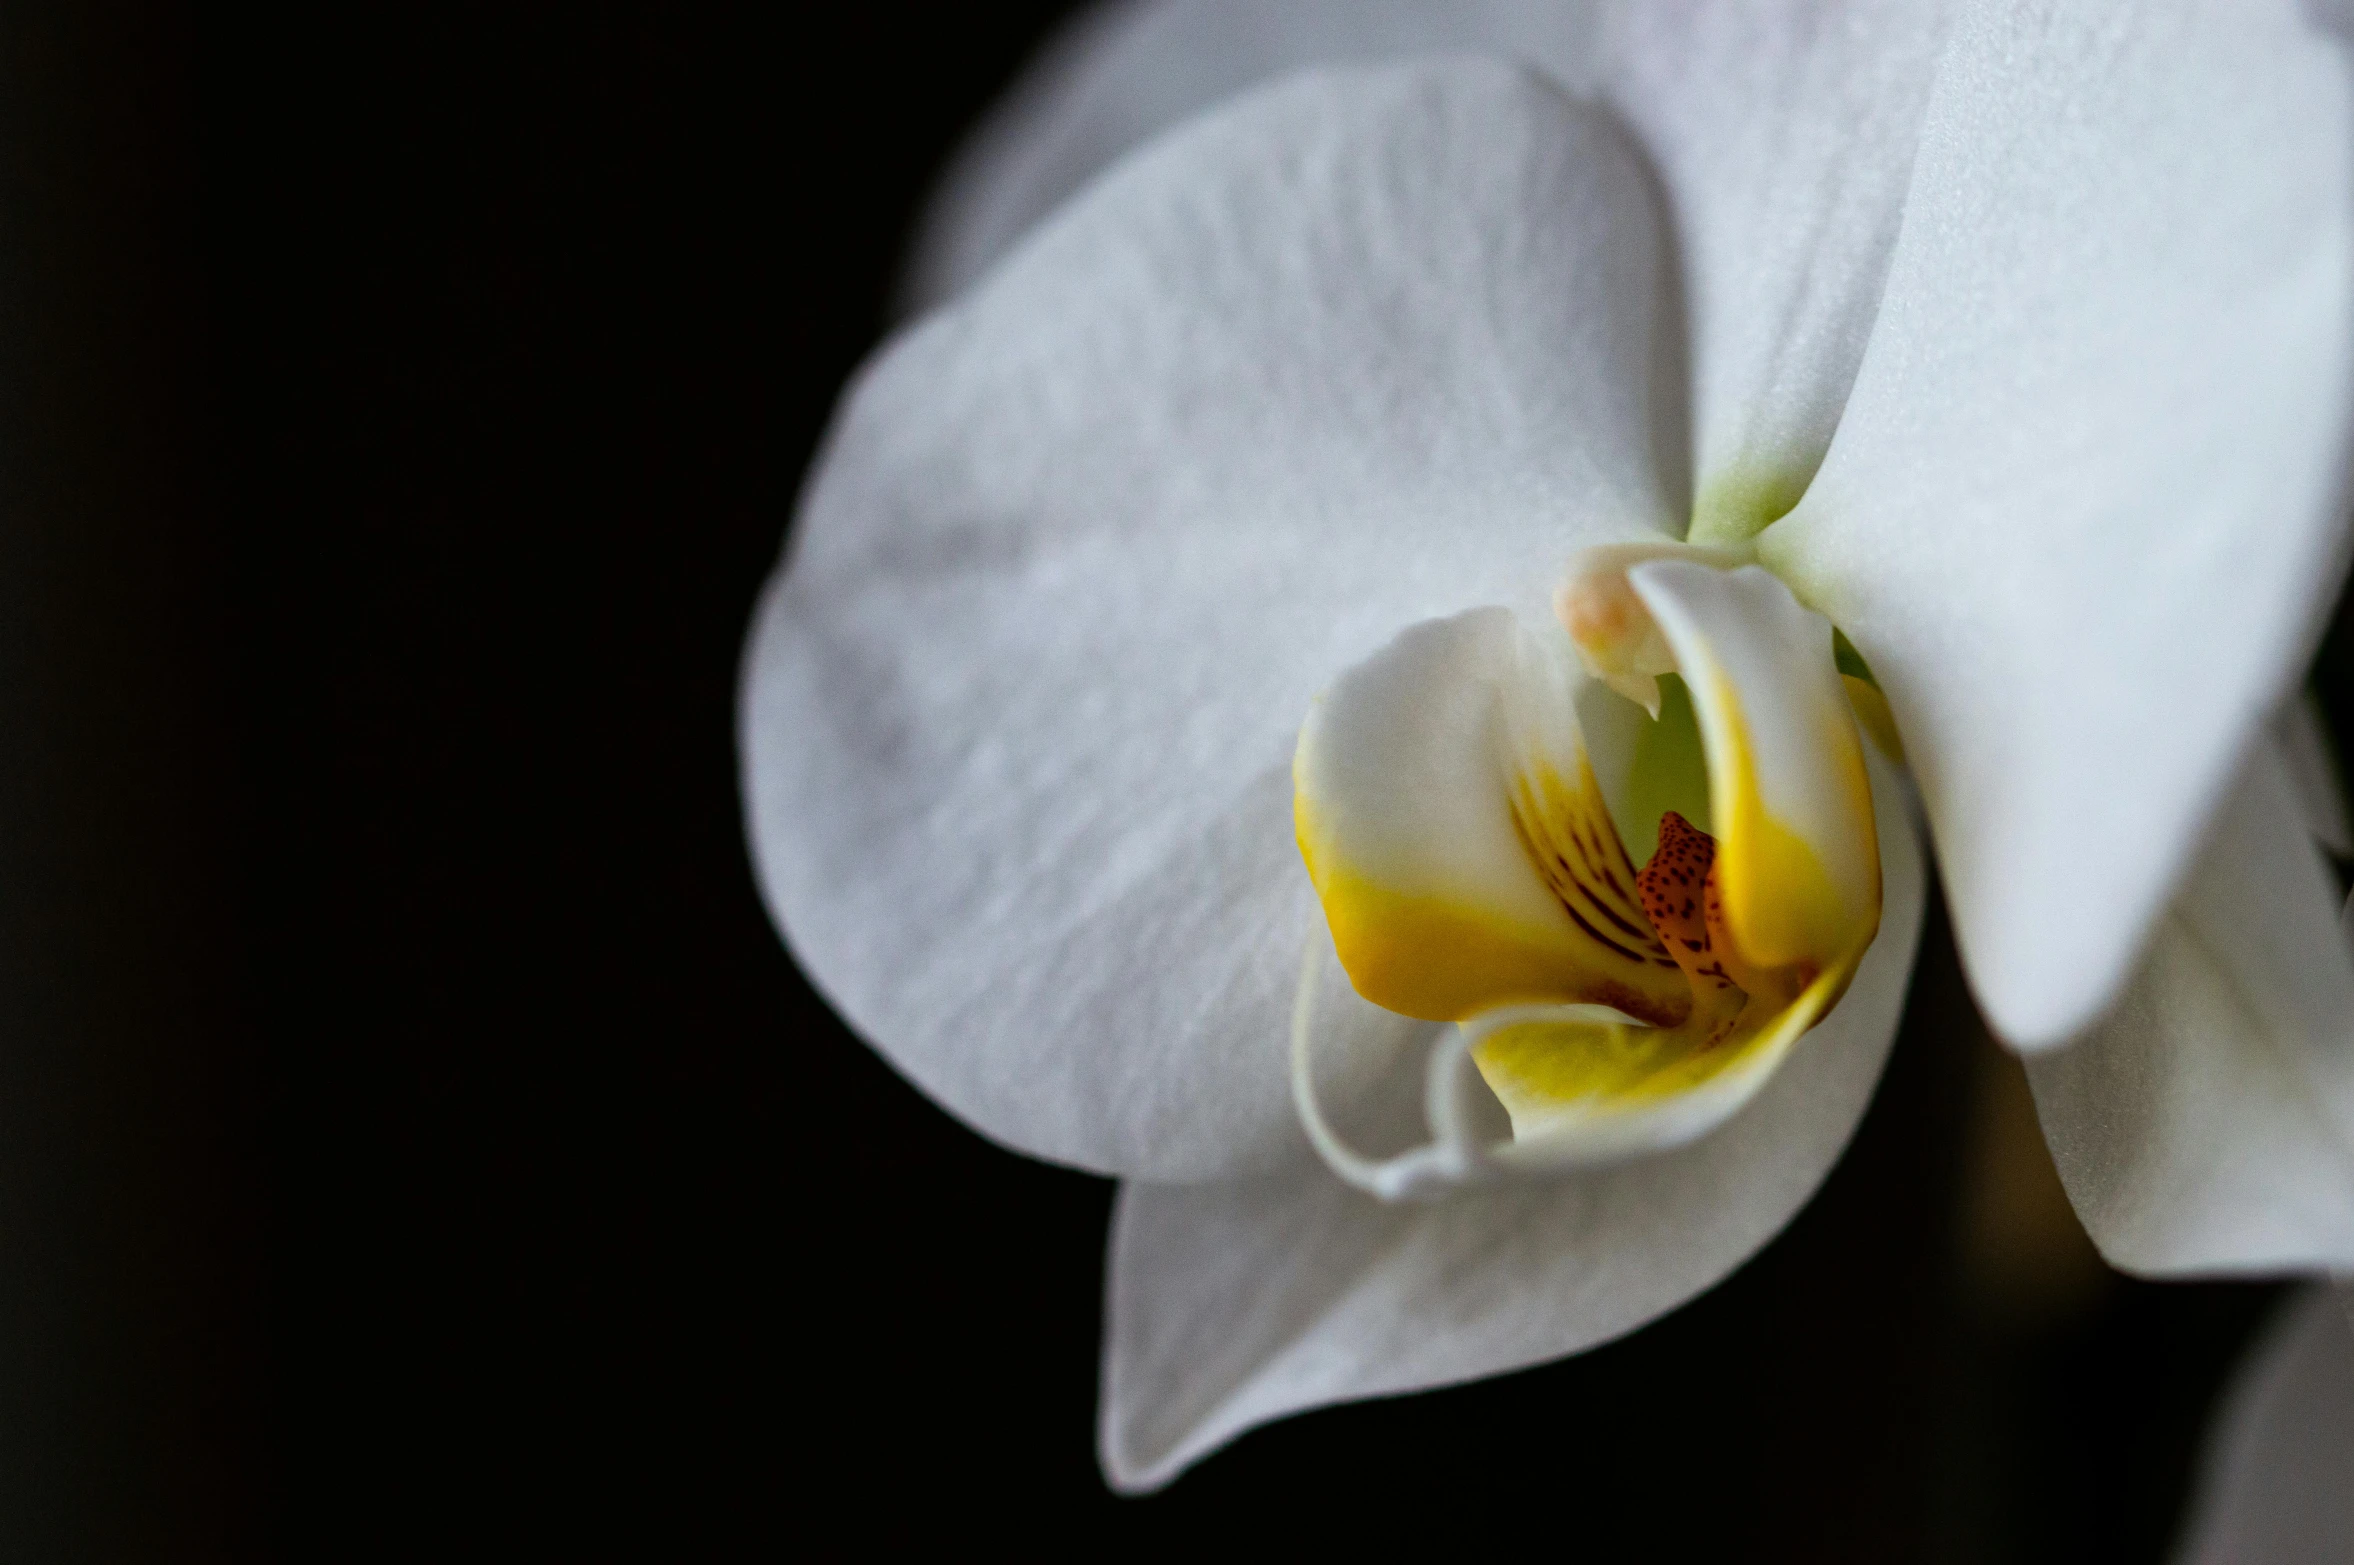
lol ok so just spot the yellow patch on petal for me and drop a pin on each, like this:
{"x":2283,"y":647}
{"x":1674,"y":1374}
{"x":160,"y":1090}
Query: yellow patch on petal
{"x":1782,"y":906}
{"x":1567,"y":1076}
{"x":1426,"y":957}
{"x":1442,"y":959}
{"x":1542,"y":1067}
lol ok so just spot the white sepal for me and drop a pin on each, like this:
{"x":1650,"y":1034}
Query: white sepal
{"x":2085,"y":507}
{"x":2206,"y":1125}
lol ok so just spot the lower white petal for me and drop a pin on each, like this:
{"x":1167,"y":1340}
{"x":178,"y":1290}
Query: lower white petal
{"x":2279,"y":1485}
{"x":1235,"y":1304}
{"x":2207,"y":1125}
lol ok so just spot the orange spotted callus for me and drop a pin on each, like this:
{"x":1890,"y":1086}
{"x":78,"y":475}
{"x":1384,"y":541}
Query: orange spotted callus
{"x":1680,"y":898}
{"x":1674,"y":885}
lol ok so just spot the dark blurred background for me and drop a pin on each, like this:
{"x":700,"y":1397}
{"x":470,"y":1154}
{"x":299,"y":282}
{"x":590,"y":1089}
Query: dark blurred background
{"x":413,"y":1139}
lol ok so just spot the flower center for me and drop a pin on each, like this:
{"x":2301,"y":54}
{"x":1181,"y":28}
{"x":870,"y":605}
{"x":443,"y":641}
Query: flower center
{"x":1467,"y":798}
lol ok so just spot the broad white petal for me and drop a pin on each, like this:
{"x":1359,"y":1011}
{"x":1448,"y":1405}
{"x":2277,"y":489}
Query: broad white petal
{"x":1019,"y":709}
{"x":2083,"y":511}
{"x":2207,"y":1124}
{"x":2279,"y":1482}
{"x":1782,"y":132}
{"x":1234,"y":1304}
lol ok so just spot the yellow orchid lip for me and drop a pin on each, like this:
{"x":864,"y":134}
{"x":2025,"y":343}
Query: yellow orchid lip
{"x":1467,"y":838}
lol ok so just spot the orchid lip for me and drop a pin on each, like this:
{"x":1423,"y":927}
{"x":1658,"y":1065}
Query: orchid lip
{"x":1473,"y":866}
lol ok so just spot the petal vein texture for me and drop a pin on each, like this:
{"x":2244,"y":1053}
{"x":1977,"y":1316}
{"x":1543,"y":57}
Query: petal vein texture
{"x":1017,"y":716}
{"x":1782,"y":134}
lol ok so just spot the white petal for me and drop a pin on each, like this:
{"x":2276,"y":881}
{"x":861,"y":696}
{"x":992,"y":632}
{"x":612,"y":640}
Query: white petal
{"x":1782,"y":133}
{"x":1019,"y":710}
{"x":2207,"y":1124}
{"x":1234,"y":1304}
{"x":2279,"y":1482}
{"x":2082,"y":515}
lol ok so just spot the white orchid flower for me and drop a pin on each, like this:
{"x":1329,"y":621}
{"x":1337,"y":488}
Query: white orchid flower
{"x":2009,"y":341}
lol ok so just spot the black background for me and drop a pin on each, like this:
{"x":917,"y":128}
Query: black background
{"x":413,"y":1139}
